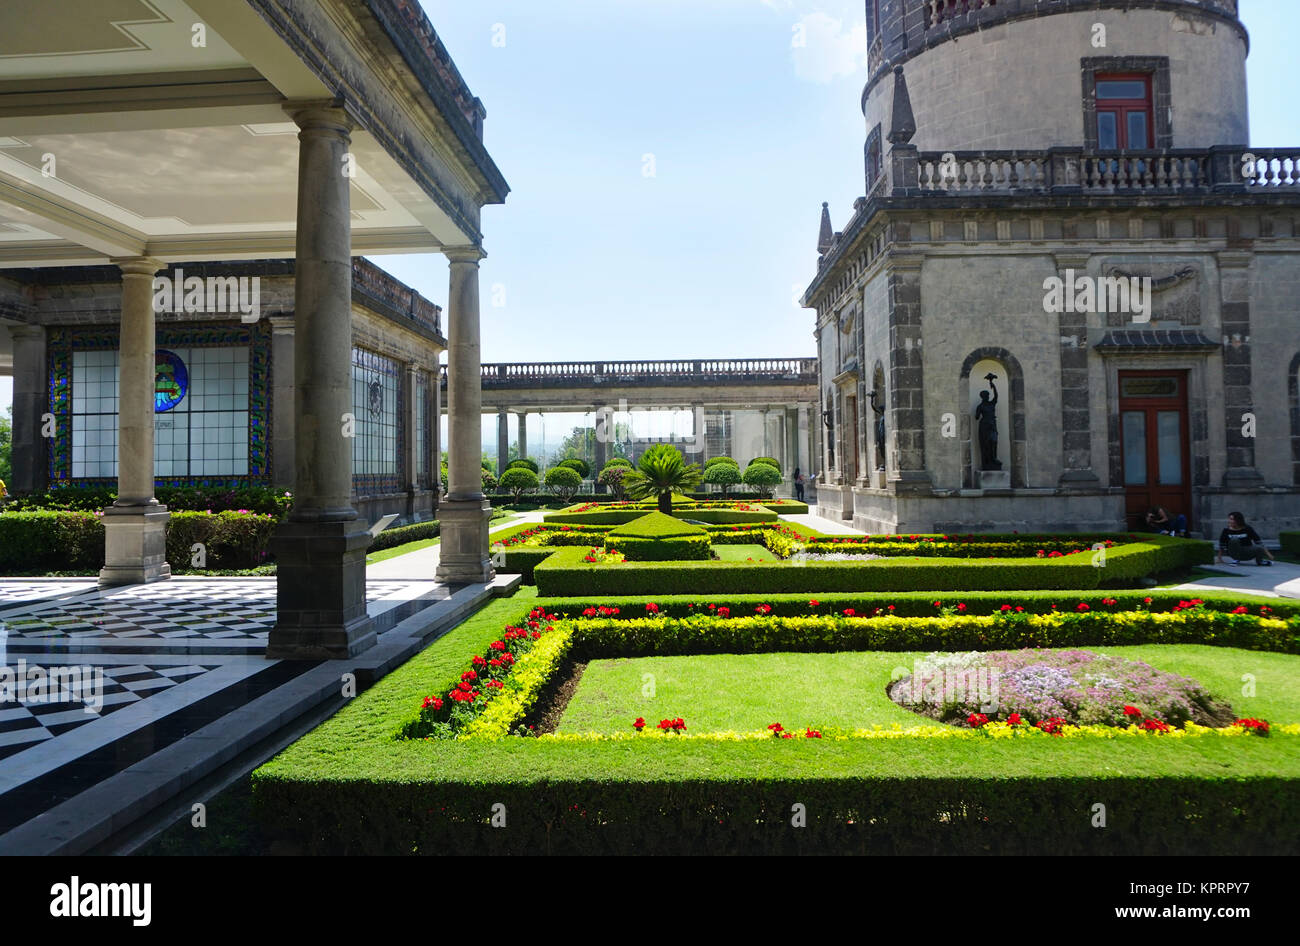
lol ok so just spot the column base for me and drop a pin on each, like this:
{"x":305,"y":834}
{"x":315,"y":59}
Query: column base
{"x":135,"y":545}
{"x":911,"y":481}
{"x":320,"y":591}
{"x":463,"y":555}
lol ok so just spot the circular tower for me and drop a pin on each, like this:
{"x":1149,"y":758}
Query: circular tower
{"x":1033,"y":74}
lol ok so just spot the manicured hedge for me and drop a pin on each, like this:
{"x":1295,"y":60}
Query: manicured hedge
{"x":74,"y":541}
{"x":51,"y":541}
{"x":869,"y":813}
{"x":261,"y":499}
{"x":614,"y":517}
{"x":565,"y":573}
{"x":1290,"y":543}
{"x":674,"y":549}
{"x":391,"y":538}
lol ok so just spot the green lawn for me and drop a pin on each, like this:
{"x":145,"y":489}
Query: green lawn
{"x":741,"y":553}
{"x":745,"y":692}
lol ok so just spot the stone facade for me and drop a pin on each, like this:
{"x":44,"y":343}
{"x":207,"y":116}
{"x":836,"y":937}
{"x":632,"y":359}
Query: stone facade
{"x":949,"y":270}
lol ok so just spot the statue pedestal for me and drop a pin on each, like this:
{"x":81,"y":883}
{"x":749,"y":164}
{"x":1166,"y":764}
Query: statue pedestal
{"x":995,"y":479}
{"x":878,"y":479}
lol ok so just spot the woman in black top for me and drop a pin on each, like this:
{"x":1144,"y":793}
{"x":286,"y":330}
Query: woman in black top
{"x":1240,"y":542}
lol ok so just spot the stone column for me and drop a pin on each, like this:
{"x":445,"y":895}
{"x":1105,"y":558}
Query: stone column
{"x":282,"y":427}
{"x":1076,"y":406}
{"x":135,"y":526}
{"x":463,"y":557}
{"x":31,"y":400}
{"x":412,"y":458}
{"x":1238,"y":382}
{"x":906,"y":395}
{"x":523,"y":434}
{"x":435,"y":433}
{"x":503,"y":440}
{"x":321,"y":548}
{"x":803,"y":446}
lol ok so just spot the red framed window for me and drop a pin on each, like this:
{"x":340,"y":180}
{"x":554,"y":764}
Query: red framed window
{"x":1124,"y":113}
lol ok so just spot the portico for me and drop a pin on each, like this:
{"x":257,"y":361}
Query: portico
{"x":315,"y":130}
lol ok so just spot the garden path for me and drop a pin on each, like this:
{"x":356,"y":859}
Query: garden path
{"x":1281,"y":580}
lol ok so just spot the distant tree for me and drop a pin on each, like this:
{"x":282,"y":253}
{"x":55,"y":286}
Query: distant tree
{"x":517,"y":479}
{"x":6,"y":446}
{"x":612,"y":476}
{"x":564,"y":480}
{"x":662,"y":471}
{"x":725,"y":475}
{"x":762,"y":475}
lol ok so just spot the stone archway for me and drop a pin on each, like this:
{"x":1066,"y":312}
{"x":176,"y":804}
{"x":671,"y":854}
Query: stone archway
{"x":1014,"y":393}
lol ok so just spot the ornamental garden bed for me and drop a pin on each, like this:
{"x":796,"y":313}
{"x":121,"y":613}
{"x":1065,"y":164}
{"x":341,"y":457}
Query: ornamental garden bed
{"x":724,"y":783}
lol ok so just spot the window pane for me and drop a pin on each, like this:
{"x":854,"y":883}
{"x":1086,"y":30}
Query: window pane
{"x":1106,"y":131}
{"x":1137,"y":130}
{"x":1122,"y":89}
{"x":1169,"y":436}
{"x":1135,"y":448}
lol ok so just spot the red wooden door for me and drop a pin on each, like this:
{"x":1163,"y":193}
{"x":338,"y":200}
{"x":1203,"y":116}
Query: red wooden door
{"x":1154,"y":444}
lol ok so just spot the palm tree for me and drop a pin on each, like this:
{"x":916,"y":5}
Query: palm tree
{"x":662,"y":471}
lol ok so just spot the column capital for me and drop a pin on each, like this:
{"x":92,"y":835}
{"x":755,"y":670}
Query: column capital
{"x":27,"y":330}
{"x":322,"y":115}
{"x":138,"y":265}
{"x":463,"y":254}
{"x":281,"y":324}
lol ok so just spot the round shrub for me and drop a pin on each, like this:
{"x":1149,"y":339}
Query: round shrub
{"x":714,"y":461}
{"x":770,"y":461}
{"x":612,"y":476}
{"x":725,"y":475}
{"x":763,"y":476}
{"x":564,"y":480}
{"x":617,"y":461}
{"x":580,"y":466}
{"x":525,"y":462}
{"x":517,"y":479}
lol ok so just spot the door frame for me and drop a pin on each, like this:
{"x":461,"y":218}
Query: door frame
{"x":1153,"y":404}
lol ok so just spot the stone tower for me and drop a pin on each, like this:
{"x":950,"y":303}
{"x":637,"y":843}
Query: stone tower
{"x":1061,"y":194}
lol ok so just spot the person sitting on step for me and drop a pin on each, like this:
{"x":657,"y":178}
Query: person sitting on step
{"x":1240,"y":542}
{"x":1159,"y":520}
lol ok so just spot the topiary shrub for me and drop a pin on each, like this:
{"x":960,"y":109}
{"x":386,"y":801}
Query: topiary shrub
{"x":770,"y":461}
{"x":517,"y":479}
{"x":714,"y":461}
{"x":617,"y":461}
{"x":525,"y":462}
{"x":763,"y":476}
{"x":573,"y":463}
{"x":725,"y":475}
{"x":565,"y":480}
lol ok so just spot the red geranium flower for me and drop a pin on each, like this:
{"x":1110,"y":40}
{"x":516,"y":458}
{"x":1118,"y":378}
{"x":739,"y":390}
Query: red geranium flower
{"x":1083,"y":606}
{"x":1132,"y":711}
{"x":1013,"y":719}
{"x":1005,"y":607}
{"x":651,"y":607}
{"x":961,"y":606}
{"x":812,"y":603}
{"x":812,"y":734}
{"x":1154,"y":725}
{"x":639,"y":724}
{"x":724,"y":612}
{"x":1241,"y":609}
{"x":976,"y":720}
{"x":776,"y":728}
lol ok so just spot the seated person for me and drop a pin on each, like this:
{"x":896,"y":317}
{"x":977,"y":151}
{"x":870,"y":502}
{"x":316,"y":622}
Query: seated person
{"x":1158,"y":520}
{"x":1239,"y":541}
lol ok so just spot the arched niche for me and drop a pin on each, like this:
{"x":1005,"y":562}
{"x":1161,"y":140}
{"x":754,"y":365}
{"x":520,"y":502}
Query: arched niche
{"x":1010,"y":413}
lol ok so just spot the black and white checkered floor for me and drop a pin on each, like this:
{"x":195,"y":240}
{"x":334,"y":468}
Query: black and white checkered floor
{"x":150,"y":663}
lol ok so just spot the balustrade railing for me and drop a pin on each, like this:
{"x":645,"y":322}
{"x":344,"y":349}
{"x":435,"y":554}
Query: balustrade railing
{"x":648,"y":372}
{"x":1074,"y":170}
{"x":371,"y":281}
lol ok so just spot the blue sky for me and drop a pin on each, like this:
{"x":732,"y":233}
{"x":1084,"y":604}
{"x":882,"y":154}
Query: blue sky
{"x":591,"y":258}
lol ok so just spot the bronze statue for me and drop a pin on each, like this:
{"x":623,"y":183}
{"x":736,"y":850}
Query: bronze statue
{"x":987,"y":415}
{"x":880,"y":430}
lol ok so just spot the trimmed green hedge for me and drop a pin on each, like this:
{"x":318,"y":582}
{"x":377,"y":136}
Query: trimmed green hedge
{"x":74,"y":541}
{"x":616,"y":517}
{"x":260,"y":499}
{"x":847,"y":813}
{"x":565,"y":574}
{"x":1290,"y":543}
{"x":674,"y":549}
{"x":391,"y":538}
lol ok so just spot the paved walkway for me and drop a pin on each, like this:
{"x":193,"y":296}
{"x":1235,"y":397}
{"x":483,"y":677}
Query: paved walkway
{"x":829,"y":526}
{"x":423,"y":563}
{"x":1282,"y":579}
{"x":113,"y":701}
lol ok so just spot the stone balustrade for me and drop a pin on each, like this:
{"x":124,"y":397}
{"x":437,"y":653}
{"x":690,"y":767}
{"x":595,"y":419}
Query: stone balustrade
{"x":1073,"y":170}
{"x":371,"y":282}
{"x":724,"y":370}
